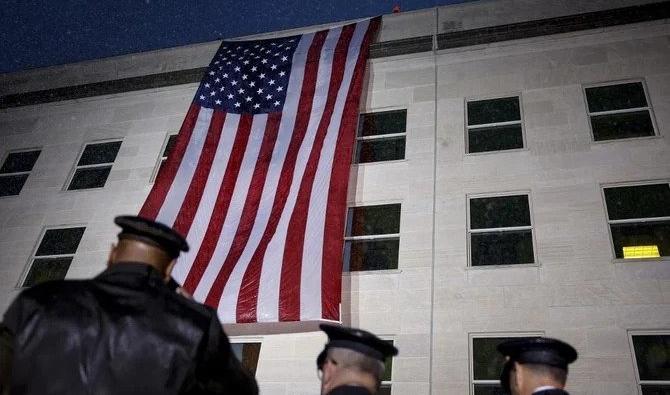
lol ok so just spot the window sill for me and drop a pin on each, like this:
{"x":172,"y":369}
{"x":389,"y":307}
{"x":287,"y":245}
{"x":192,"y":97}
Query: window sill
{"x":495,"y":267}
{"x":82,"y":190}
{"x":379,"y":163}
{"x":371,"y":272}
{"x":627,"y":139}
{"x":514,"y":150}
{"x":620,"y":261}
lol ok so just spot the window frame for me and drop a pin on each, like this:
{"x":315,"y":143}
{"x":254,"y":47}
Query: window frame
{"x":354,"y":159}
{"x":609,"y":222}
{"x":18,"y":173}
{"x":384,"y":236}
{"x":161,"y":158}
{"x":76,"y":166}
{"x":530,"y":227}
{"x":471,"y":355}
{"x":612,"y":112}
{"x":245,"y":340}
{"x":33,"y":256}
{"x":520,"y":122}
{"x":639,"y":383}
{"x":388,"y":383}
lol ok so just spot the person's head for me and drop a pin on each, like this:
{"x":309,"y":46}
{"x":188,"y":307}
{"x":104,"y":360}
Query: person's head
{"x":145,"y":241}
{"x":535,"y":362}
{"x":352,"y":357}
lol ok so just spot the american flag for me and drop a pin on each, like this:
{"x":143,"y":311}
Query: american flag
{"x":258,"y":176}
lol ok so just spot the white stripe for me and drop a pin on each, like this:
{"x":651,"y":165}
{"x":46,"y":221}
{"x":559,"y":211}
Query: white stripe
{"x":269,"y":295}
{"x":206,"y":207}
{"x":182,"y":180}
{"x":232,"y":219}
{"x":312,"y":261}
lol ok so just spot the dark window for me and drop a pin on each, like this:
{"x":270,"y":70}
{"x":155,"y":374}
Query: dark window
{"x":372,"y":238}
{"x":247,"y":354}
{"x":387,"y":378}
{"x":94,"y":165}
{"x":15,"y":170}
{"x":639,"y":219}
{"x":494,"y":125}
{"x":381,"y":136}
{"x":500,"y":231}
{"x":487,"y":364}
{"x":652,"y":356}
{"x":54,"y":255}
{"x":619,"y":111}
{"x":169,"y":146}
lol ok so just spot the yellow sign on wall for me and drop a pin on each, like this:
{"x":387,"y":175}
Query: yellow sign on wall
{"x":641,"y":252}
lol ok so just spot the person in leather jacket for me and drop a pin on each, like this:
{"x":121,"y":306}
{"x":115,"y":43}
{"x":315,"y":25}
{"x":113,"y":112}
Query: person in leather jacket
{"x":537,"y":366}
{"x":352,"y":362}
{"x":123,"y":332}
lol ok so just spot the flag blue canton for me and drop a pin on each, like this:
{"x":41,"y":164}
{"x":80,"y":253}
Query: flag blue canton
{"x":248,"y":76}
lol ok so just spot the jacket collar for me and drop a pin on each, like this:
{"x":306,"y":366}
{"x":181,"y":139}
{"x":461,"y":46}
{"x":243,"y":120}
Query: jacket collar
{"x":138,"y":269}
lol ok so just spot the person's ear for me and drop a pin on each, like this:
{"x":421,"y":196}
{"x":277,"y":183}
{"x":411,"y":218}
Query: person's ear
{"x":168,"y":270}
{"x":516,"y":381}
{"x":111,"y":258}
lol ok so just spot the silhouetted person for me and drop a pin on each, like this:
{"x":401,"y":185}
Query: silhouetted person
{"x":352,"y":362}
{"x":123,"y":332}
{"x":537,"y":366}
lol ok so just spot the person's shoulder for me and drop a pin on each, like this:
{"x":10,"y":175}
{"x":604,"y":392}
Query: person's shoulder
{"x":54,"y":290}
{"x":191,"y":307}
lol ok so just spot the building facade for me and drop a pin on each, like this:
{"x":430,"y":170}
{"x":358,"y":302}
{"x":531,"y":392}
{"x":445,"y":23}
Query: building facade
{"x":511,"y":178}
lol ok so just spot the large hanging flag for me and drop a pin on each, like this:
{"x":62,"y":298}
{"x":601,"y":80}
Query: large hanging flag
{"x":258,"y":176}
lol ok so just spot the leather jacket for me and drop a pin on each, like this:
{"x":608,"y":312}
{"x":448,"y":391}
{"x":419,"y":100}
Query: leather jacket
{"x":123,"y":332}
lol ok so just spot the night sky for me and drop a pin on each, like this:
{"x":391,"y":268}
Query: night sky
{"x":39,"y":33}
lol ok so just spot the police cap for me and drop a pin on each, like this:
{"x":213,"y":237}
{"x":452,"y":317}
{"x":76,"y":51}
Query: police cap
{"x":357,"y":340}
{"x":151,"y":232}
{"x":536,"y":350}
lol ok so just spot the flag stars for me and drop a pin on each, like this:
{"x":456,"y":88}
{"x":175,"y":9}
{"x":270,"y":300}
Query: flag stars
{"x":257,"y":105}
{"x":259,"y":91}
{"x":248,"y":98}
{"x":279,"y":89}
{"x":281,"y":73}
{"x":222,"y":89}
{"x":237,"y":68}
{"x":246,"y":62}
{"x":254,"y":68}
{"x":207,"y":85}
{"x":217,"y":101}
{"x":273,"y":67}
{"x":238,"y":104}
{"x":252,"y":84}
{"x":202,"y":97}
{"x":212,"y":93}
{"x":284,"y":58}
{"x":225,"y":75}
{"x":211,"y":73}
{"x":276,"y":103}
{"x":230,"y":96}
{"x":261,"y":76}
{"x":268,"y":97}
{"x":271,"y":82}
{"x":233,"y":82}
{"x":217,"y":80}
{"x":264,"y":61}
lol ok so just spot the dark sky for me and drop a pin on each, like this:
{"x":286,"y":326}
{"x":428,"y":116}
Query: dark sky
{"x":38,"y":33}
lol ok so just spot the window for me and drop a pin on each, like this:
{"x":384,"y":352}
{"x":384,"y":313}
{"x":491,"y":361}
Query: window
{"x":652,"y":362}
{"x":385,"y":388}
{"x":487,"y":362}
{"x":639,"y":220}
{"x":94,"y":165}
{"x":54,"y":255}
{"x":372,"y":238}
{"x":500,"y":230}
{"x":247,"y":354}
{"x":494,"y":125}
{"x":168,"y":146}
{"x":381,"y":136}
{"x":15,"y":170}
{"x":619,"y":111}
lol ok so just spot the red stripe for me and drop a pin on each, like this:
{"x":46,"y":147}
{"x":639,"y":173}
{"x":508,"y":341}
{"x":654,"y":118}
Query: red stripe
{"x":166,"y":175}
{"x":221,"y":206}
{"x":289,"y":291}
{"x":248,"y":297}
{"x":249,"y":210}
{"x":194,"y":194}
{"x":331,"y":273}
